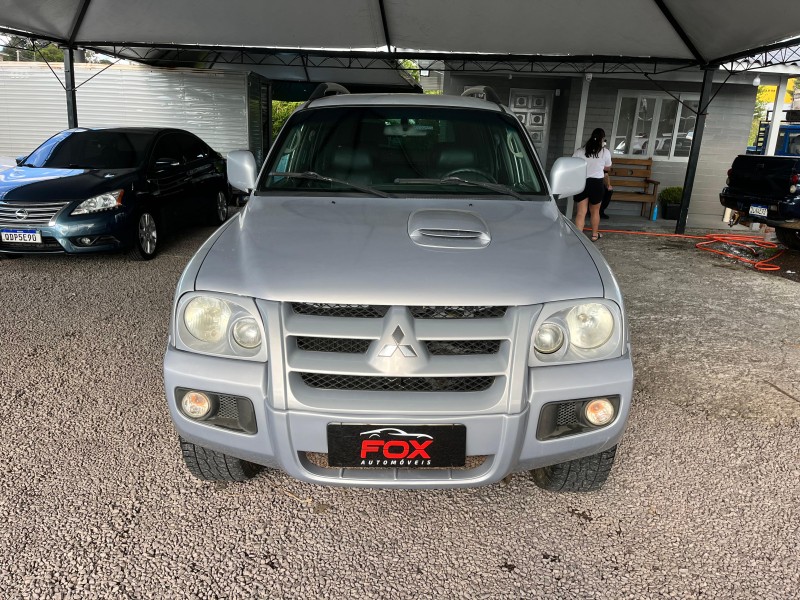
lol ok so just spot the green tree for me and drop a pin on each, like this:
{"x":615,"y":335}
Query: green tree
{"x":15,"y":46}
{"x":759,"y":114}
{"x":410,"y":66}
{"x":280,"y":112}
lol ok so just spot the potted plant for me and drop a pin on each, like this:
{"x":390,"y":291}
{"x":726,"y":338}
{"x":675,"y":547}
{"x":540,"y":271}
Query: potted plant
{"x":670,"y":200}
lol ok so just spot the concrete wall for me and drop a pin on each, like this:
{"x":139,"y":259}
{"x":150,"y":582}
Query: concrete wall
{"x":725,"y":136}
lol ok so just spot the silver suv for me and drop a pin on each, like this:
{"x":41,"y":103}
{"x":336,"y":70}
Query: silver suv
{"x":400,"y":304}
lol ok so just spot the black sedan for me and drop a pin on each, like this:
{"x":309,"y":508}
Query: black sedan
{"x":99,"y":190}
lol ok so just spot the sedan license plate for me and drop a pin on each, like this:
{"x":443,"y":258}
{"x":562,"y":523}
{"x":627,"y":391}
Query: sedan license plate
{"x":758,"y":210}
{"x":396,"y":446}
{"x":21,"y":236}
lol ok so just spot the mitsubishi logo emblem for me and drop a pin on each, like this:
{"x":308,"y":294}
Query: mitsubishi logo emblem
{"x":389,"y":349}
{"x":21,"y":214}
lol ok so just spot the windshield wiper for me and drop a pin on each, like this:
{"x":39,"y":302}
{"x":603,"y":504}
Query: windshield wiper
{"x":313,"y":176}
{"x":495,"y":187}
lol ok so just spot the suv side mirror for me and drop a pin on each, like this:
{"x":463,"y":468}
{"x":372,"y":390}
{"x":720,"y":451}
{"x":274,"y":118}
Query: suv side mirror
{"x":568,"y":176}
{"x":242,"y":170}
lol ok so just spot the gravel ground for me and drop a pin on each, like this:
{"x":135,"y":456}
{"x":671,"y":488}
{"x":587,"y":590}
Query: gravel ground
{"x":704,"y":501}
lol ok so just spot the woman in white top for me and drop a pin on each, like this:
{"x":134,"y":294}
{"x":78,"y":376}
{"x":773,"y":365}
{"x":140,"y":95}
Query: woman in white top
{"x":598,"y":162}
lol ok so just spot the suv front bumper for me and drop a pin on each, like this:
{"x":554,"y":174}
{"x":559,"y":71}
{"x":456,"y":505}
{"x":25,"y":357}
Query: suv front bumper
{"x":508,"y":440}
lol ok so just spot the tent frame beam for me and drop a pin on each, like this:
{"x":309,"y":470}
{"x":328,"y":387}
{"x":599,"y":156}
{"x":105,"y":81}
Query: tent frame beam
{"x":679,"y":30}
{"x":385,"y":24}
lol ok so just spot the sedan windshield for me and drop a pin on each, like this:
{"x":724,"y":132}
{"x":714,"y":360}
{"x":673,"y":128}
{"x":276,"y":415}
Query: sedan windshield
{"x":91,"y":150}
{"x":405,"y":150}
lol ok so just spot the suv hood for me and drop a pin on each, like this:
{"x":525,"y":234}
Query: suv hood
{"x":361,"y":251}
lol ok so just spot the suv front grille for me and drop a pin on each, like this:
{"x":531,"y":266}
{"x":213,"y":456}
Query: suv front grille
{"x":463,"y":348}
{"x":396,"y":384}
{"x":367,"y":311}
{"x":343,"y":345}
{"x":436,"y":348}
{"x":38,"y":213}
{"x":385,"y":352}
{"x":358,"y":311}
{"x":458,"y":312}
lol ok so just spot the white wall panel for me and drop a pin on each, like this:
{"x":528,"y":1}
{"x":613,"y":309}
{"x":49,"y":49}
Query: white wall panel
{"x":33,"y":106}
{"x":213,"y":105}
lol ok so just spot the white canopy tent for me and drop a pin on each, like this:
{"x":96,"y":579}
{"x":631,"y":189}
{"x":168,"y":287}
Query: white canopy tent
{"x":543,"y":34}
{"x":697,"y":32}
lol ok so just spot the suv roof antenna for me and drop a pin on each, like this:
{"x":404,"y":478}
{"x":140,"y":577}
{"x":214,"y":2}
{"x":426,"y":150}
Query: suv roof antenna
{"x":483,"y":90}
{"x":328,"y":89}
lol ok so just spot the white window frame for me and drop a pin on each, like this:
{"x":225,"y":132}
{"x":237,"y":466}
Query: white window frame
{"x":659,"y":98}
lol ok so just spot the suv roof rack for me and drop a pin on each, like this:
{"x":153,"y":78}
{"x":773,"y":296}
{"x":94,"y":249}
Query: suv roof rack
{"x":483,"y":91}
{"x":328,"y":89}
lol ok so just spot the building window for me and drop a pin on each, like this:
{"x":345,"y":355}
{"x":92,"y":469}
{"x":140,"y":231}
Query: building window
{"x":654,"y":125}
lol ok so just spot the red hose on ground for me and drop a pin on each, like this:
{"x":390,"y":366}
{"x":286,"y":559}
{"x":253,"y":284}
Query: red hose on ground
{"x":750,"y":243}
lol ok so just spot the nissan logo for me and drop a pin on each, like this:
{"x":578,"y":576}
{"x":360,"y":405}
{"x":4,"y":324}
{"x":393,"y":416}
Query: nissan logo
{"x":21,"y":214}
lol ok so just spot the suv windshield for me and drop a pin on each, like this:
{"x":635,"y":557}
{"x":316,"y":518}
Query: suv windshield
{"x":405,"y":150}
{"x":91,"y":150}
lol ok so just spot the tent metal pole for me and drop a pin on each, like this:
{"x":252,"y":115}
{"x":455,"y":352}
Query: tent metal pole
{"x":586,"y":80}
{"x":69,"y":86}
{"x":777,"y":117}
{"x":694,"y":154}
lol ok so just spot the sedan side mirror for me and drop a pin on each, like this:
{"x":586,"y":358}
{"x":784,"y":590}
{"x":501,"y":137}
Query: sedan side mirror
{"x":568,"y":176}
{"x":242,"y":170}
{"x":166,"y":163}
{"x":20,"y":160}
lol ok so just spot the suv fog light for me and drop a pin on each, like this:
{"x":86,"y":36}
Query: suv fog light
{"x":599,"y":412}
{"x":195,"y":405}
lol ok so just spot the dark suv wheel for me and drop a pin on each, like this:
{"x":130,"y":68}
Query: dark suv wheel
{"x":580,"y":475}
{"x":788,"y":237}
{"x":210,"y":465}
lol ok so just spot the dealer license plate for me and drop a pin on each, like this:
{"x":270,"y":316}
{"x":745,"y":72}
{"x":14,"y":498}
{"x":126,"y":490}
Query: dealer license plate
{"x":21,"y":236}
{"x":758,"y":210}
{"x":396,"y":446}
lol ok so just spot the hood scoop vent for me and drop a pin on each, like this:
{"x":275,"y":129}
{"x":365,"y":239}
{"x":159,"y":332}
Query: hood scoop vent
{"x":451,"y":229}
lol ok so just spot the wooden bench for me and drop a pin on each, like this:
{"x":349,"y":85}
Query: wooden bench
{"x":630,"y":178}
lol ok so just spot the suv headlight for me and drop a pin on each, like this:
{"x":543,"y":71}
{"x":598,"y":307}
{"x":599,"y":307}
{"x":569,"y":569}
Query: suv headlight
{"x":585,"y":330}
{"x":220,"y":325}
{"x":99,"y":203}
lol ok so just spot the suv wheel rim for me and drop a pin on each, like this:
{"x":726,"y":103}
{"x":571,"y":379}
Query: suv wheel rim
{"x":147,"y":233}
{"x":222,"y":206}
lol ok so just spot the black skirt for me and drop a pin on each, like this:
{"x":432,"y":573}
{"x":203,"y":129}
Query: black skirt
{"x":594,"y":191}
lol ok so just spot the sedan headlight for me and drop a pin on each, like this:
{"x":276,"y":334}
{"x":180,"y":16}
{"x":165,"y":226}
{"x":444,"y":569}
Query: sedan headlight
{"x":220,"y":325}
{"x":577,"y":331}
{"x":99,"y":203}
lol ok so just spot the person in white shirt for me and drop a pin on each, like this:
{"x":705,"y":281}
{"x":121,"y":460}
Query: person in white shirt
{"x":598,"y":162}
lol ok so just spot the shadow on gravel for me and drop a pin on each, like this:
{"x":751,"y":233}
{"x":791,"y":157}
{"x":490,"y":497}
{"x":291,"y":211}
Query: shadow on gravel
{"x":789,"y":263}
